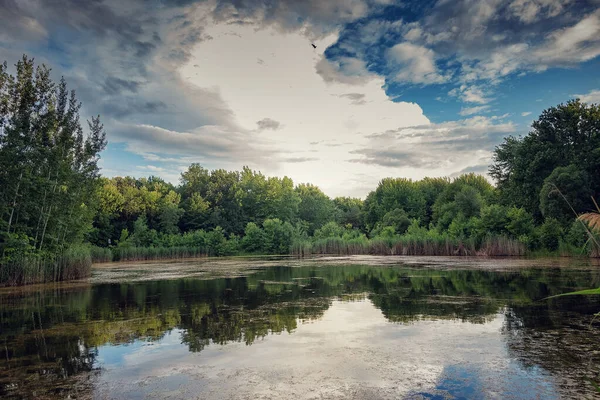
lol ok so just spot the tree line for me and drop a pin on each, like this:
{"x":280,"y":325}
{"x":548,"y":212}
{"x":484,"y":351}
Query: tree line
{"x":53,"y":198}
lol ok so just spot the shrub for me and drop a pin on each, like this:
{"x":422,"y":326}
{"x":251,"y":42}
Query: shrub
{"x":520,"y":222}
{"x":550,"y":233}
{"x":254,"y":238}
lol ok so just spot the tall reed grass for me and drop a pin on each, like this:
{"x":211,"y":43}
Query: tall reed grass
{"x":411,"y":246}
{"x":156,"y":253}
{"x":74,"y":263}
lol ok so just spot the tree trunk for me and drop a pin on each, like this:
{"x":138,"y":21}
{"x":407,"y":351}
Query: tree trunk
{"x":12,"y":212}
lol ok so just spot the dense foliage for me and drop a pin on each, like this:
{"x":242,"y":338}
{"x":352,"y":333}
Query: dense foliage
{"x":48,"y":172}
{"x":53,"y":198}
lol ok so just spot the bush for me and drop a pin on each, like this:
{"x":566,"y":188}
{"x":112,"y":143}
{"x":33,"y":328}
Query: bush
{"x":577,"y":235}
{"x":493,"y":220}
{"x":398,"y":219}
{"x":254,"y":238}
{"x":279,"y":236}
{"x":329,"y":230}
{"x":520,"y":222}
{"x":550,"y":233}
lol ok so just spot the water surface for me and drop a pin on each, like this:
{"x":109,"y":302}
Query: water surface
{"x":309,"y":330}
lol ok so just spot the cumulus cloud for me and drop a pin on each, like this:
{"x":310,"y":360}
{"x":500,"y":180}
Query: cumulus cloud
{"x":167,"y":91}
{"x":592,"y":97}
{"x":319,"y":122}
{"x":346,"y":70}
{"x":473,"y":43}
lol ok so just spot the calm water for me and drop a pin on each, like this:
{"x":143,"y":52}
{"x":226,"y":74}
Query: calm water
{"x":318,"y":331}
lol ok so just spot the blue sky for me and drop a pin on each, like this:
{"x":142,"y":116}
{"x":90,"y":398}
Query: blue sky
{"x":411,"y":89}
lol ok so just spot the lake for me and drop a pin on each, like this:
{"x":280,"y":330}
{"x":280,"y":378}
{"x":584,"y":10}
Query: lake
{"x":355,"y":327}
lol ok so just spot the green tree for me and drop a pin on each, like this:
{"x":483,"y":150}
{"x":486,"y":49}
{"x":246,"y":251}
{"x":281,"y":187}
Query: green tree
{"x":574,"y":185}
{"x":397,"y":219}
{"x":550,"y":234}
{"x":520,"y":222}
{"x":329,"y":230}
{"x":349,"y":210}
{"x":49,"y":171}
{"x":315,"y":207}
{"x":391,"y":194}
{"x":254,"y":239}
{"x":493,"y":220}
{"x":279,"y":236}
{"x":562,"y":135}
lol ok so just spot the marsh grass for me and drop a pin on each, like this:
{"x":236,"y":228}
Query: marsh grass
{"x":410,"y":245}
{"x":24,"y":269}
{"x":156,"y":253}
{"x":101,"y":254}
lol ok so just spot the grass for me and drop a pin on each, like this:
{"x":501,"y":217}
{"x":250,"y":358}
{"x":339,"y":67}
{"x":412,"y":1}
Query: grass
{"x":155,"y":253}
{"x":74,"y":263}
{"x":101,"y":254}
{"x":410,"y":245}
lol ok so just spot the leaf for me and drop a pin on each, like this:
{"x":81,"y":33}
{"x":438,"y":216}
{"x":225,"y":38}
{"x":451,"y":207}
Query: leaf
{"x":594,"y":384}
{"x":585,"y":292}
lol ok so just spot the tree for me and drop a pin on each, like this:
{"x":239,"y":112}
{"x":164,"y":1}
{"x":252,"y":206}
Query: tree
{"x":431,"y":189}
{"x":562,"y":135}
{"x":520,"y":222}
{"x":574,"y":185}
{"x":226,"y":210}
{"x":329,"y":230}
{"x":48,"y":167}
{"x":349,"y":211}
{"x":465,"y":195}
{"x":391,"y":194}
{"x":254,"y":238}
{"x":282,"y":200}
{"x":315,"y":207}
{"x":493,"y":220}
{"x":550,"y":234}
{"x":279,"y":236}
{"x":397,"y":219}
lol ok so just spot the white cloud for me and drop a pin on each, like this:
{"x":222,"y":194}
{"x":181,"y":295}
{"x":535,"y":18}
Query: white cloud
{"x":473,"y":110}
{"x":414,"y":64}
{"x":592,"y":97}
{"x":308,"y":107}
{"x":437,"y":149}
{"x":470,"y":94}
{"x":345,"y":70}
{"x":529,"y":11}
{"x":571,"y":45}
{"x":526,"y":113}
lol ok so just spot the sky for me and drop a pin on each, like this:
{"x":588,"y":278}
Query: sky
{"x":392,"y":89}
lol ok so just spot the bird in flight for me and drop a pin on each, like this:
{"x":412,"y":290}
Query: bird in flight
{"x":313,"y":45}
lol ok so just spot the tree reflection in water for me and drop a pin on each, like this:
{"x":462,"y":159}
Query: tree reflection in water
{"x":50,"y":337}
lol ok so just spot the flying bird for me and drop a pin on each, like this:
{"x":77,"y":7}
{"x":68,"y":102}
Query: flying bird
{"x":313,"y":45}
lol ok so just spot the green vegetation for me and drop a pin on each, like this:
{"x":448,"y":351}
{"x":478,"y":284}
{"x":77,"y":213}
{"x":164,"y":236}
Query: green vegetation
{"x":48,"y":178}
{"x":54,"y":205}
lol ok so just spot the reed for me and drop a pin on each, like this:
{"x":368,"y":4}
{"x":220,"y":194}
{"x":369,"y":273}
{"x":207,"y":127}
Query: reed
{"x":157,"y":253}
{"x":101,"y":254}
{"x":25,"y":269}
{"x":411,"y":245}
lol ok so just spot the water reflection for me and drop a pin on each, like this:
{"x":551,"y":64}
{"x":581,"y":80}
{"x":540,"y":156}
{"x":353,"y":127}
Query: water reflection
{"x":356,"y":331}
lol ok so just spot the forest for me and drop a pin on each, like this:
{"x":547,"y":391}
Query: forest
{"x":58,"y":214}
